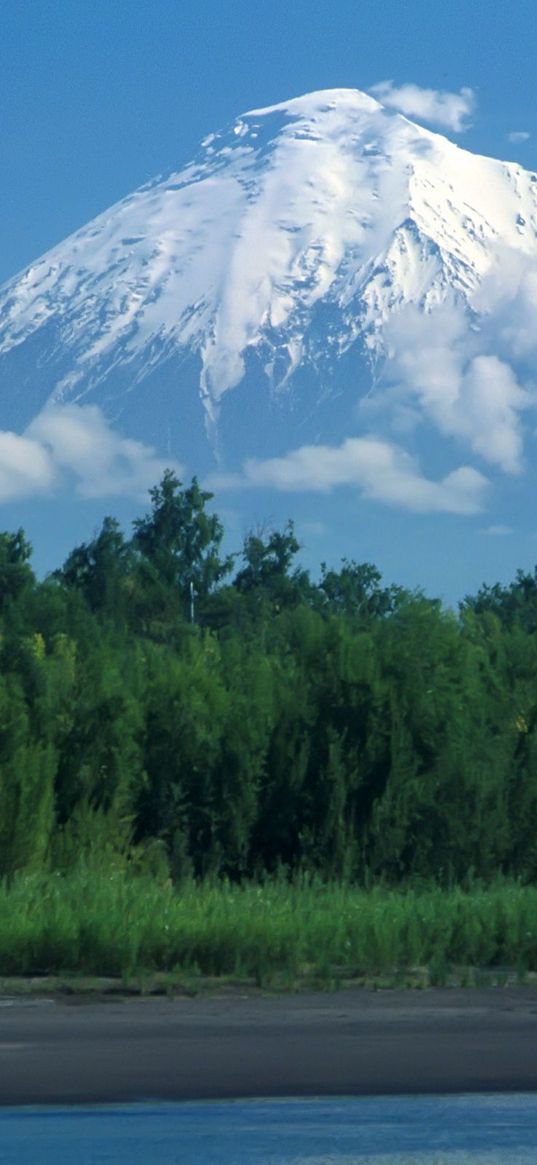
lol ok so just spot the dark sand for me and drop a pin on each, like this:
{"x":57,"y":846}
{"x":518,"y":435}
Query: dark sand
{"x":349,"y":1043}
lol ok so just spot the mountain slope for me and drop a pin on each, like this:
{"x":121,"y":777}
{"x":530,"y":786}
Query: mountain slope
{"x":250,"y":294}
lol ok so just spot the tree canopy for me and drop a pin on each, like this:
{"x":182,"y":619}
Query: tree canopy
{"x":333,"y":724}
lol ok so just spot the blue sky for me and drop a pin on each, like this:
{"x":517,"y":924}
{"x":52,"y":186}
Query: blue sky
{"x":98,"y":97}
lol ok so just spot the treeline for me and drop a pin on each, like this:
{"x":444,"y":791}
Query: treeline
{"x":226,"y":715}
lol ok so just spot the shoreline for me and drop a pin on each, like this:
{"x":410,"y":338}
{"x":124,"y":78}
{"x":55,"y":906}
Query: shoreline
{"x":350,"y":1043}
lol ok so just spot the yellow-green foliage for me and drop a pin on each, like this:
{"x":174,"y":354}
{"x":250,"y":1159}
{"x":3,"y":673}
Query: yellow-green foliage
{"x":119,"y":923}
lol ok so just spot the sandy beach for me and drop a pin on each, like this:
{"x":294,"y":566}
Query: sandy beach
{"x":54,"y":1051}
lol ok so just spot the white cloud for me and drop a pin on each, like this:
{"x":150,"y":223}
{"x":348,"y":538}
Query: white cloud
{"x":498,"y":531}
{"x":74,"y":443}
{"x":26,"y":468}
{"x":518,"y":135}
{"x":438,"y":363}
{"x":507,"y":299}
{"x":491,"y":399}
{"x":313,"y":529}
{"x":82,"y":442}
{"x":379,"y":469}
{"x":450,"y":110}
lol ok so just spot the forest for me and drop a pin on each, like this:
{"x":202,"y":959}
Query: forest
{"x":240,"y":718}
{"x":196,"y":718}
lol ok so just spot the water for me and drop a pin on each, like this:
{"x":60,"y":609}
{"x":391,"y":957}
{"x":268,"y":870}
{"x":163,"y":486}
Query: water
{"x":460,"y":1130}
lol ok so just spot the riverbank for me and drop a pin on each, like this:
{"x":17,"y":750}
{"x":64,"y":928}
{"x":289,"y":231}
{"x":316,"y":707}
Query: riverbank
{"x":354,"y":1042}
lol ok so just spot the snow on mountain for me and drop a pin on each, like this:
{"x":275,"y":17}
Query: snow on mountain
{"x":292,"y":242}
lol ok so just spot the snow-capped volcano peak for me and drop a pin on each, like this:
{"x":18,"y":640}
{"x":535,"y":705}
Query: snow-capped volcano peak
{"x":309,"y":106}
{"x":296,"y":233}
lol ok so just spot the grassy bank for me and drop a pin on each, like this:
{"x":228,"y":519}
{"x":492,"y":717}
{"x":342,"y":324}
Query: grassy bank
{"x":114,"y":924}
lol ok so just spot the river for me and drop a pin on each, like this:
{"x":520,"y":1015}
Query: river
{"x":498,"y":1129}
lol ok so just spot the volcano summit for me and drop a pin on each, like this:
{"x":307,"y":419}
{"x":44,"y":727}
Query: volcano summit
{"x":328,"y":295}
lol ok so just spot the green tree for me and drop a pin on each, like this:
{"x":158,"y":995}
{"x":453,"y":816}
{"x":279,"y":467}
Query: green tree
{"x":270,"y":581}
{"x":27,"y":772}
{"x":179,"y":542}
{"x":100,"y":570}
{"x":355,"y":590}
{"x":16,"y":575}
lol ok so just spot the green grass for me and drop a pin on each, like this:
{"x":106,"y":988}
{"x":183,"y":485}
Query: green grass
{"x":115,"y":924}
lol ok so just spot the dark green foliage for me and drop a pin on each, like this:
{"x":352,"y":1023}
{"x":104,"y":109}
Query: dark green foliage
{"x":243,"y":727}
{"x":513,"y":604}
{"x":100,"y":569}
{"x":179,"y":543}
{"x":269,"y":578}
{"x":356,"y":590}
{"x":16,"y":575}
